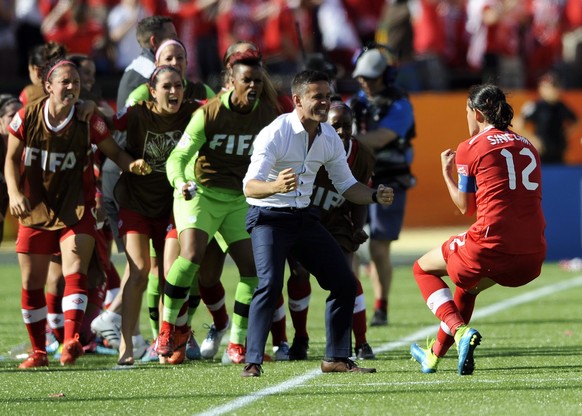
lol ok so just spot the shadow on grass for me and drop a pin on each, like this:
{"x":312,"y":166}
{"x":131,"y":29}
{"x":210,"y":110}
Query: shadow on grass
{"x":571,"y":351}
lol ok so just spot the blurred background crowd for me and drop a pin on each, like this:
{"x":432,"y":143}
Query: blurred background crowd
{"x":440,"y":44}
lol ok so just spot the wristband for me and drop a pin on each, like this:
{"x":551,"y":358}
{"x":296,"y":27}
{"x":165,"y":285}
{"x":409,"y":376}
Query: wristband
{"x":375,"y":197}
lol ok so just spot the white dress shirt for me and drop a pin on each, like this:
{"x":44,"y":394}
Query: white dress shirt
{"x":284,"y":144}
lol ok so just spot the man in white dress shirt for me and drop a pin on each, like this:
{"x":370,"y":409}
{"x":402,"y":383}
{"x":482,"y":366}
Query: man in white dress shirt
{"x":286,"y":158}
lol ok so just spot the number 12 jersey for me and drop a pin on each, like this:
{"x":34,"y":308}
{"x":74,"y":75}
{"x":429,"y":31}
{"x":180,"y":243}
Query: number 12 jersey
{"x":503,"y":169}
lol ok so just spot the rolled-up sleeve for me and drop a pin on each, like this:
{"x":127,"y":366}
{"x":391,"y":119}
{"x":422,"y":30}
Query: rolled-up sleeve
{"x":262,"y":159}
{"x":337,"y":167}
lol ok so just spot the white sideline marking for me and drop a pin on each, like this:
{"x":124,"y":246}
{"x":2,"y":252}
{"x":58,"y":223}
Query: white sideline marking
{"x":487,"y":310}
{"x":423,"y":333}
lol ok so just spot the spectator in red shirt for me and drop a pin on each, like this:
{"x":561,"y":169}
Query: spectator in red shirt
{"x":69,"y":23}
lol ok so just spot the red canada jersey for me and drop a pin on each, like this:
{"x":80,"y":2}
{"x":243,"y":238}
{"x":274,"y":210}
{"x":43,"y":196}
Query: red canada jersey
{"x":503,"y":169}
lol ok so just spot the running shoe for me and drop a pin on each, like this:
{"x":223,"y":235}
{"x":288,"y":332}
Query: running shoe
{"x":35,"y":360}
{"x":140,"y":346}
{"x":108,"y":328}
{"x":365,"y":352}
{"x":425,"y":357}
{"x":380,"y":318}
{"x":282,"y":352}
{"x":104,"y":349}
{"x":192,"y":348}
{"x":90,"y":347}
{"x":150,"y":354}
{"x":72,"y":349}
{"x":211,"y":343}
{"x":165,"y":346}
{"x":234,"y":354}
{"x":298,"y":350}
{"x":181,"y":337}
{"x":467,"y":339}
{"x":52,"y":343}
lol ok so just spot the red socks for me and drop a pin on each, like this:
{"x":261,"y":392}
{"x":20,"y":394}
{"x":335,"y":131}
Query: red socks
{"x":279,"y":323}
{"x":359,"y":325}
{"x":55,"y":318}
{"x":112,"y":284}
{"x":213,"y":298}
{"x":299,"y":291}
{"x":74,"y":303}
{"x":34,"y":313}
{"x":438,"y":297}
{"x":381,"y":304}
{"x":465,"y":303}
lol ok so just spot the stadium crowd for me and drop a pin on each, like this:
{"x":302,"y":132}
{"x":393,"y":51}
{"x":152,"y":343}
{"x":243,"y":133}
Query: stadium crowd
{"x":201,"y":84}
{"x":441,"y":44}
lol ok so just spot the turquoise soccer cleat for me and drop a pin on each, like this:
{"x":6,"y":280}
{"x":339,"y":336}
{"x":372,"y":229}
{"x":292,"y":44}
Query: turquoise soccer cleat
{"x":467,"y":340}
{"x":425,"y":357}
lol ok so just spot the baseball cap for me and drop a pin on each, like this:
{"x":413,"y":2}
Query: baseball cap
{"x":371,"y":64}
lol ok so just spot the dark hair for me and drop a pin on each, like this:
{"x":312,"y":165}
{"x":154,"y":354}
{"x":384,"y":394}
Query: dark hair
{"x":304,"y":78}
{"x":490,"y":100}
{"x":335,"y":104}
{"x":340,"y":105}
{"x":41,"y":54}
{"x":336,"y":98}
{"x":5,"y":101}
{"x":178,"y":41}
{"x":78,"y":58}
{"x":47,"y":70}
{"x":230,"y":50}
{"x":319,"y":62}
{"x":249,"y":57}
{"x":159,"y":70}
{"x":151,"y":26}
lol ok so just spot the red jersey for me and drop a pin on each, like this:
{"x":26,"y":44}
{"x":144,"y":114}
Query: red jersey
{"x":77,"y":39}
{"x":503,"y":169}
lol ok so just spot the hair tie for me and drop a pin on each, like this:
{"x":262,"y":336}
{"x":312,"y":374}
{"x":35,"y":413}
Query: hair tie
{"x":247,"y":56}
{"x":167,"y":43}
{"x":160,"y":69}
{"x":60,"y":63}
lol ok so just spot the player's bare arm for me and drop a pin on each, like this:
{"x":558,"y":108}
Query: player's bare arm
{"x":363,"y":195}
{"x":286,"y":182}
{"x":19,"y":204}
{"x":121,"y":158}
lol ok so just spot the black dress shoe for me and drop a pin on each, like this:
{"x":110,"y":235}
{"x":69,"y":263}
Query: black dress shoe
{"x":252,"y":370}
{"x":343,"y":365}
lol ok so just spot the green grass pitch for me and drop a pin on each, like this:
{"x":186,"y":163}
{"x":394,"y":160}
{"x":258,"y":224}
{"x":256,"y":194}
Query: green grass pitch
{"x":529,"y":363}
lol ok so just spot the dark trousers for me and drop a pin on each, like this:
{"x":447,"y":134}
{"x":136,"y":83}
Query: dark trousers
{"x":276,"y":233}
